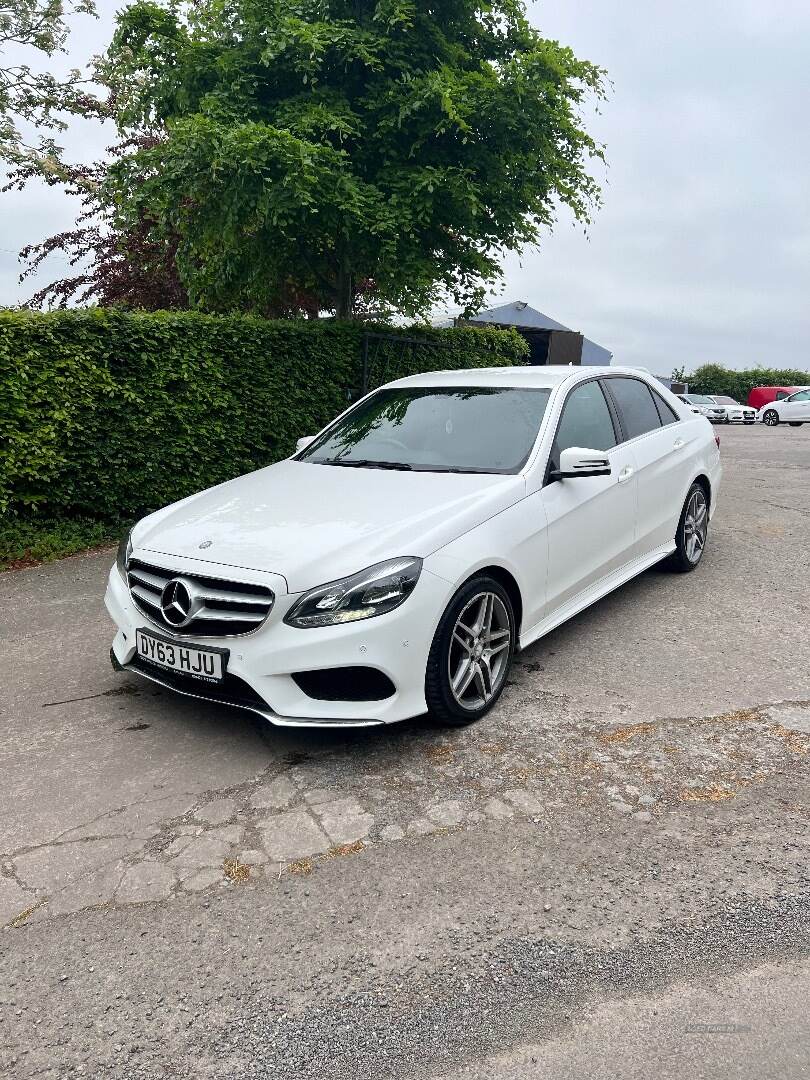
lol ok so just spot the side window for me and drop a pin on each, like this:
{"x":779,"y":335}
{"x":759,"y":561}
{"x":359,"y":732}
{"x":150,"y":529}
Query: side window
{"x":666,"y":413}
{"x":636,"y":406}
{"x":586,"y":421}
{"x":803,"y":395}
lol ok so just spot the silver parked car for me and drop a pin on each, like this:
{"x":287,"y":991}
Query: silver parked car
{"x":704,"y":405}
{"x":735,"y":412}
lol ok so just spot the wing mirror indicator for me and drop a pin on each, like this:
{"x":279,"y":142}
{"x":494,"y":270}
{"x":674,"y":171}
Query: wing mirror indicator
{"x":579,"y":461}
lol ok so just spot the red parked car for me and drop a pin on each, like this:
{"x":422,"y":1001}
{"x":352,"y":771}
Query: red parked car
{"x":761,"y":395}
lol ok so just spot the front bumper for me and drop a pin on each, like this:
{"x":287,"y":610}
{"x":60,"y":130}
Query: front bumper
{"x":261,"y":664}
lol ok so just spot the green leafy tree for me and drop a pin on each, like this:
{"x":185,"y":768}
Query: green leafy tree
{"x":330,"y":155}
{"x":30,"y":97}
{"x":715,"y":379}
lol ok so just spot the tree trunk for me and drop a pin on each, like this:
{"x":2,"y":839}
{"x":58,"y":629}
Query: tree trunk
{"x":345,"y":291}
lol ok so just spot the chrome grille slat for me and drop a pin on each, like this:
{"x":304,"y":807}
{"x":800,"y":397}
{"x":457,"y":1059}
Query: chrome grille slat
{"x":207,"y":615}
{"x":221,"y":608}
{"x":229,"y":596}
{"x":152,"y":581}
{"x":145,"y":597}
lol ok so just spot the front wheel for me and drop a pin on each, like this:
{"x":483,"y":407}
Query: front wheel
{"x":771,"y":418}
{"x":471,"y":653}
{"x":693,"y":530}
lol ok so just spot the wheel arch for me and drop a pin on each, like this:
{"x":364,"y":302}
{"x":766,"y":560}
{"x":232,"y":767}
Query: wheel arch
{"x":706,"y":484}
{"x":509,"y":582}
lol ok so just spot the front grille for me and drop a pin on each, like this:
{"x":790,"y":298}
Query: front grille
{"x":218,"y":607}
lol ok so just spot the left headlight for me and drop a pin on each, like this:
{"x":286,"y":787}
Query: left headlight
{"x":124,"y":552}
{"x":374,"y":591}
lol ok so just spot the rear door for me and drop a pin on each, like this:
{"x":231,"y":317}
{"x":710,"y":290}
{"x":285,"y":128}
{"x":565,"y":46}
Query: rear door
{"x":591,"y":519}
{"x":662,"y":446}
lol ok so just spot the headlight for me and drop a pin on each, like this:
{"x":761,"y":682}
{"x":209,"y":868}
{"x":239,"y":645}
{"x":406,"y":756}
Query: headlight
{"x":374,"y":591}
{"x":124,"y":552}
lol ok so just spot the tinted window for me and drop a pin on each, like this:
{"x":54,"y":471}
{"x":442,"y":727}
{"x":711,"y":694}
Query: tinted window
{"x":636,"y":406}
{"x":436,"y":429}
{"x":585,"y":422}
{"x":665,"y":411}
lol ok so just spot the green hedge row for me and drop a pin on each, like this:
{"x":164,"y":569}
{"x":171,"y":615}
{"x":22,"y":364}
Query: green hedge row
{"x":714,"y":379}
{"x":110,"y":414}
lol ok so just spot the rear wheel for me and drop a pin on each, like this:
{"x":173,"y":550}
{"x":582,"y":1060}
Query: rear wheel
{"x":471,"y":653}
{"x":795,"y":423}
{"x":693,"y":530}
{"x":771,"y":418}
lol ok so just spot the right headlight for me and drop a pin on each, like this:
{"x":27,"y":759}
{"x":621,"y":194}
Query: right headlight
{"x":124,"y":552}
{"x":374,"y":591}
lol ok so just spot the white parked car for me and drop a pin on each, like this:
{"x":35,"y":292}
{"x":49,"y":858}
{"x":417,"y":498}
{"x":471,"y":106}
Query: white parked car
{"x":793,"y":410}
{"x":398,"y":560}
{"x":735,"y":413}
{"x":705,"y":406}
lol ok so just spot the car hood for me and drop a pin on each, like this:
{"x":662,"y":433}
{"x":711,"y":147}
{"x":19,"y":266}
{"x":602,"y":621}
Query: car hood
{"x":314,"y":523}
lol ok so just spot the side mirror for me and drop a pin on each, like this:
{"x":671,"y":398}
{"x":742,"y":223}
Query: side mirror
{"x":578,"y":461}
{"x":303,"y":443}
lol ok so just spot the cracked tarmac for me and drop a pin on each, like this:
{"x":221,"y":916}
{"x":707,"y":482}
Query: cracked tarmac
{"x":650,"y":758}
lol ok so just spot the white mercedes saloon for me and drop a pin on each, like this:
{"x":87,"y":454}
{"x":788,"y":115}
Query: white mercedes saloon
{"x":395,"y":563}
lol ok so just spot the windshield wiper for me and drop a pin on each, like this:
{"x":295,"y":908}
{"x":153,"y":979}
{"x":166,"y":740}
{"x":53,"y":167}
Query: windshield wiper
{"x":366,"y":463}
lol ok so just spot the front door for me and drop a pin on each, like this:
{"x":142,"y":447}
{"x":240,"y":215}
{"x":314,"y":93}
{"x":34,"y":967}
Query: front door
{"x":796,"y":408}
{"x":591,"y":519}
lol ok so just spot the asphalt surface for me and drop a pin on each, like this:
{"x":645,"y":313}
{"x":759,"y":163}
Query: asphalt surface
{"x":607,"y":877}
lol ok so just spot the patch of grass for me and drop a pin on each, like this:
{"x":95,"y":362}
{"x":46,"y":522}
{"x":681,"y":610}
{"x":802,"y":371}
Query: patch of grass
{"x":302,"y":866}
{"x":707,"y":794}
{"x":440,"y":754}
{"x":29,"y":541}
{"x":235,"y":871}
{"x":344,"y":849}
{"x":624,"y":734}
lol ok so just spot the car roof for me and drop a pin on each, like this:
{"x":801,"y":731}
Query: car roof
{"x":547,"y":376}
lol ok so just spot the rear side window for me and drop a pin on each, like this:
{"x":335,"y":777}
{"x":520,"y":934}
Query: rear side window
{"x":637,"y":409}
{"x":665,"y":411}
{"x":585,"y":422}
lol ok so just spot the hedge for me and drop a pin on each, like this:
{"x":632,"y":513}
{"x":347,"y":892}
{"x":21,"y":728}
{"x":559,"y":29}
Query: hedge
{"x":714,"y":379}
{"x":108,"y":414}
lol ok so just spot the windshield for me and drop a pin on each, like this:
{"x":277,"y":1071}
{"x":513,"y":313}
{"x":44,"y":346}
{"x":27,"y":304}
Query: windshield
{"x":722,"y":400}
{"x":699,"y":399}
{"x":436,"y":429}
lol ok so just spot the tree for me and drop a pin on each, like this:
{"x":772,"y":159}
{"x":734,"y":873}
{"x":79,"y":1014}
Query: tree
{"x":115,"y":267}
{"x":322,"y":154}
{"x":33,"y":97}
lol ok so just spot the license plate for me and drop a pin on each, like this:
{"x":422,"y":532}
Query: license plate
{"x":205,"y":664}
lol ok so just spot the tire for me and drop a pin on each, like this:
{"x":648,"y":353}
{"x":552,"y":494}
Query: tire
{"x":460,"y":636}
{"x":692,"y":532}
{"x":795,"y":423}
{"x":771,"y":418}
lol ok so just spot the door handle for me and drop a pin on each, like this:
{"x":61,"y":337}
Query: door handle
{"x":625,"y":474}
{"x":678,"y":444}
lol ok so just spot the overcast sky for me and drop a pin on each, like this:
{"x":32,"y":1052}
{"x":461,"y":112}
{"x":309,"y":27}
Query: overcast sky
{"x":701,"y":252}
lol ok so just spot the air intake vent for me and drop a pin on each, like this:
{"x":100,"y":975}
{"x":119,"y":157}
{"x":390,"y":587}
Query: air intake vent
{"x":197,"y":605}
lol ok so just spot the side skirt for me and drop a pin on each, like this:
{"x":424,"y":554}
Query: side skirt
{"x":595,"y":592}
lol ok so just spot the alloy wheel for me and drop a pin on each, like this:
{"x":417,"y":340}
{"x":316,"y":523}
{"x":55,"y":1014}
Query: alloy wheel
{"x":771,"y":418}
{"x":479,"y":650}
{"x":695,"y":526}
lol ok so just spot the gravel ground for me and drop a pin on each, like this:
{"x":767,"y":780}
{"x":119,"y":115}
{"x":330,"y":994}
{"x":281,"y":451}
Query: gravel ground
{"x":607,"y":877}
